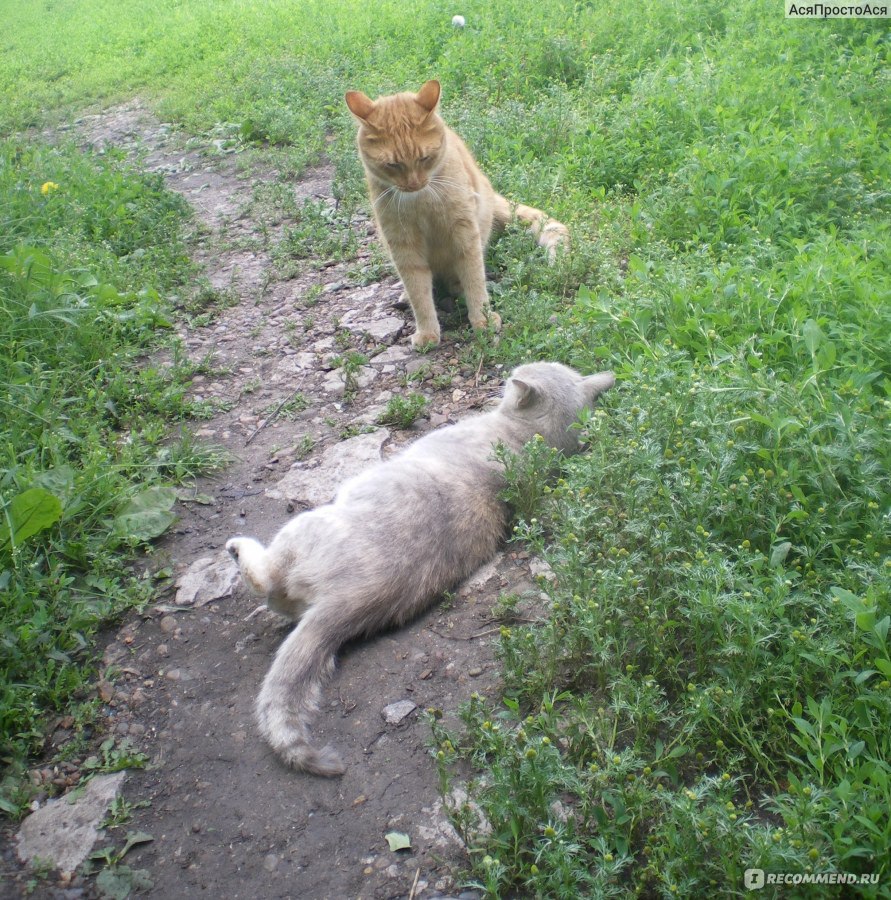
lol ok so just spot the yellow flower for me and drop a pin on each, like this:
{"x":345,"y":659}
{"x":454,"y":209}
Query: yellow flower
{"x":48,"y":186}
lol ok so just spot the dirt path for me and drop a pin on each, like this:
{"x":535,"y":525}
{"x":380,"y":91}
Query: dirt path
{"x":226,"y":818}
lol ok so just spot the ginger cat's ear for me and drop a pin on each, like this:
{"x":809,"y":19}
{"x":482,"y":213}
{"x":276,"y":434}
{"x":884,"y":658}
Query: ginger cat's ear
{"x":428,"y":95}
{"x":360,"y":105}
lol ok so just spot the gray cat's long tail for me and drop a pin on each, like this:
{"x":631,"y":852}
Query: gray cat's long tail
{"x":549,"y":233}
{"x":292,"y":689}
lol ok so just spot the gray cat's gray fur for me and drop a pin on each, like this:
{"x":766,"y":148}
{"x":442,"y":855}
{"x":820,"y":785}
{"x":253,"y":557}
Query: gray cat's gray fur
{"x":394,"y":538}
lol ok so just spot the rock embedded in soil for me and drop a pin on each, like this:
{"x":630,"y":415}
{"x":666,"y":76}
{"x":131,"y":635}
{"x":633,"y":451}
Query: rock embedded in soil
{"x":207,"y":579}
{"x":397,"y":712}
{"x":384,"y":330}
{"x":64,"y":832}
{"x":392,"y":355}
{"x":339,"y":462}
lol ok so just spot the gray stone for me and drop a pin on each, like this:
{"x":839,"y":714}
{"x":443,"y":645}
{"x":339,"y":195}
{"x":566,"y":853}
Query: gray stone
{"x":323,"y":344}
{"x":63,"y":831}
{"x":335,"y":382}
{"x":438,"y":832}
{"x":541,"y":569}
{"x":396,"y":712}
{"x":370,"y":414}
{"x":384,"y":330}
{"x":419,"y":364}
{"x":481,"y":577}
{"x":302,"y":360}
{"x":392,"y":355}
{"x":338,"y":463}
{"x":207,"y":579}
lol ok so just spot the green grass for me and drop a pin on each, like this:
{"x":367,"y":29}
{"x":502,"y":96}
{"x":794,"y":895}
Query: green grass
{"x":403,"y":411}
{"x":711,"y":687}
{"x":87,"y":458}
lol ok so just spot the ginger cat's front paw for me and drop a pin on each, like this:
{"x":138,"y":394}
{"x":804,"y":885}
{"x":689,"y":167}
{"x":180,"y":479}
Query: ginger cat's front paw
{"x":491,"y":320}
{"x":424,"y":339}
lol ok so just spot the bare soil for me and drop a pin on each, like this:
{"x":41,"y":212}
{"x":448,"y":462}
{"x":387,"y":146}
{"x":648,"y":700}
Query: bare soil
{"x":226,"y":817}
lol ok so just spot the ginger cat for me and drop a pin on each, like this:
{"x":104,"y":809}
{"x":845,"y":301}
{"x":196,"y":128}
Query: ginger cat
{"x":434,"y":208}
{"x":393,"y":539}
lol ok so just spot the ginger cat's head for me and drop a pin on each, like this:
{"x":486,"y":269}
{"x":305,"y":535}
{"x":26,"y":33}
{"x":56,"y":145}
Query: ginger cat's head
{"x":401,"y":138}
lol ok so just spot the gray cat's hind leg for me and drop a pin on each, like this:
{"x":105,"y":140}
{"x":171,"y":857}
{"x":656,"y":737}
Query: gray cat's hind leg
{"x":252,"y":559}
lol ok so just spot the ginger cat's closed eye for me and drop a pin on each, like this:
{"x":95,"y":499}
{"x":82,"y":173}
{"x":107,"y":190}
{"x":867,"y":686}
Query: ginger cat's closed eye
{"x":434,"y":208}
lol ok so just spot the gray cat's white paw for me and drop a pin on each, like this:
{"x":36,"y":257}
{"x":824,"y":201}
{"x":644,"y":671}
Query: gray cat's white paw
{"x":232,"y":546}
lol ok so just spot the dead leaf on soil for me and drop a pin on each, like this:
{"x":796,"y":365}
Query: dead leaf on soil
{"x":398,"y":841}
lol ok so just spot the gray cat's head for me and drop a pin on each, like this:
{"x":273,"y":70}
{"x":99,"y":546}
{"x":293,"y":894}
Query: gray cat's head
{"x":549,"y":397}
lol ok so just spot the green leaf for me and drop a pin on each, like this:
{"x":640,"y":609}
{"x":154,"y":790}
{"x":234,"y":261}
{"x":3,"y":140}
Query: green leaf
{"x":826,"y":355}
{"x":147,"y":514}
{"x":866,"y":620}
{"x":134,"y":838}
{"x":779,"y":553}
{"x":29,"y":263}
{"x":856,"y":749}
{"x":813,"y":336}
{"x":29,"y":513}
{"x":119,"y":882}
{"x":398,"y":841}
{"x":884,"y":666}
{"x":803,"y":726}
{"x":58,"y":481}
{"x":849,"y":599}
{"x":190,"y":495}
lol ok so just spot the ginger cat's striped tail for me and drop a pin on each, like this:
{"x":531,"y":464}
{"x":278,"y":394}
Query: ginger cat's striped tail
{"x":550,"y":234}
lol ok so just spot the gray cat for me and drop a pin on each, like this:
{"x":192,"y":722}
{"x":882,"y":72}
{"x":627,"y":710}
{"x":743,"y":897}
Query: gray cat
{"x":394,"y":538}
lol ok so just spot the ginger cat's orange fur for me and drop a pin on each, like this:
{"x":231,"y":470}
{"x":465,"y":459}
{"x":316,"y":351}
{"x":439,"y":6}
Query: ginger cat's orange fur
{"x":434,"y":208}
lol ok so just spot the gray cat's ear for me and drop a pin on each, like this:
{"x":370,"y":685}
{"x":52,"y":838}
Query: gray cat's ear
{"x":360,"y":105}
{"x":428,"y":95}
{"x":526,"y":393}
{"x":595,"y":385}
